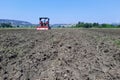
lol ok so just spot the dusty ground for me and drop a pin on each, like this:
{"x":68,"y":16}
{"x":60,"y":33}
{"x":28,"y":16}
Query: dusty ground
{"x":60,"y":54}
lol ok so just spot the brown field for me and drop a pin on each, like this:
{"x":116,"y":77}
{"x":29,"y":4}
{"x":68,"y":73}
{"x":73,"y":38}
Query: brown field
{"x":60,"y":54}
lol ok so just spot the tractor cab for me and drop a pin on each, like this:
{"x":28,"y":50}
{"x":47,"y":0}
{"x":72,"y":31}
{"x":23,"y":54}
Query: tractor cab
{"x":44,"y":24}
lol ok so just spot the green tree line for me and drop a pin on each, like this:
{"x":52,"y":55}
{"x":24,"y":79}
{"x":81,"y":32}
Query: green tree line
{"x":6,"y":25}
{"x":9,"y":25}
{"x":95,"y":25}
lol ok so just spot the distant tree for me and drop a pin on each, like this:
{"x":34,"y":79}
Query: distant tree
{"x":80,"y":24}
{"x":104,"y":25}
{"x":87,"y":25}
{"x":118,"y":26}
{"x":96,"y":25}
{"x":6,"y":25}
{"x":18,"y":26}
{"x":3,"y":25}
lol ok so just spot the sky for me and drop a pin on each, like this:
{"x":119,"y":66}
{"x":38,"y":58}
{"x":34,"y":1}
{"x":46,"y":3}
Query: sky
{"x":61,"y":11}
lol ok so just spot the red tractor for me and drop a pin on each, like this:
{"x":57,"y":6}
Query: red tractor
{"x":44,"y":24}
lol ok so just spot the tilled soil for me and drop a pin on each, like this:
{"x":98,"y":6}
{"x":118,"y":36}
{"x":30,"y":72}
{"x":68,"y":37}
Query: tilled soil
{"x":60,"y":54}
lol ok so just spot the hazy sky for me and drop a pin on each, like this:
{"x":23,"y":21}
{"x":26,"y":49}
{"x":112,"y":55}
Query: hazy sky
{"x":61,"y":11}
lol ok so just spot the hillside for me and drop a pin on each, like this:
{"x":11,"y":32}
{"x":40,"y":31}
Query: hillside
{"x":16,"y":22}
